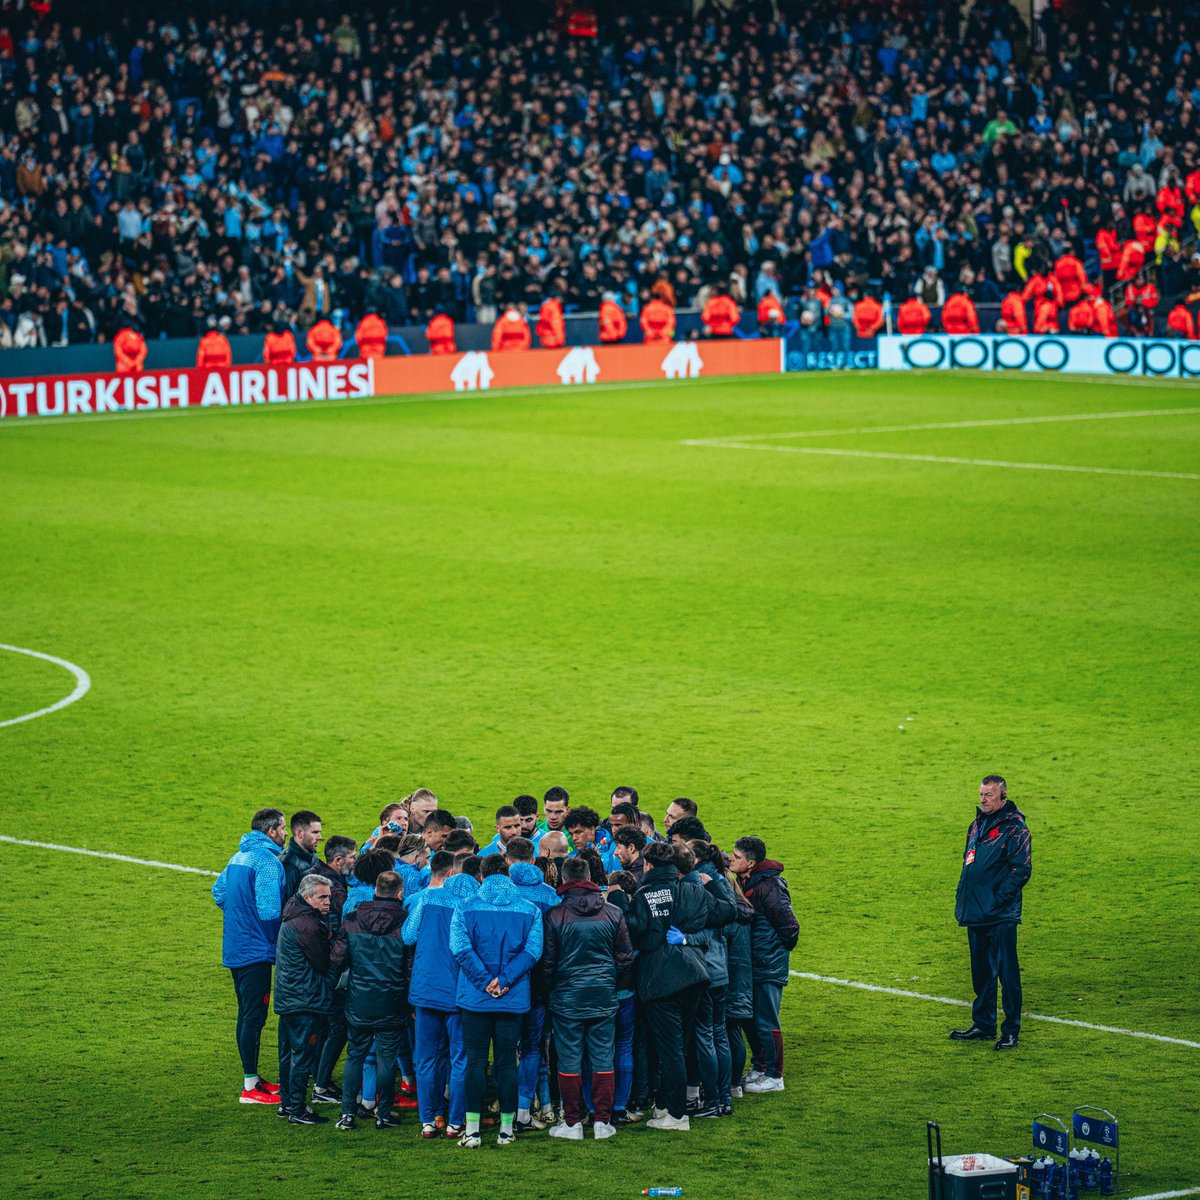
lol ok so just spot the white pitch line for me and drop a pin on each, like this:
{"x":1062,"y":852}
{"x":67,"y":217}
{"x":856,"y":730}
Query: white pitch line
{"x":125,"y":858}
{"x":890,"y":991}
{"x":953,"y":460}
{"x":993,"y":423}
{"x":1169,"y":1195}
{"x":83,"y":682}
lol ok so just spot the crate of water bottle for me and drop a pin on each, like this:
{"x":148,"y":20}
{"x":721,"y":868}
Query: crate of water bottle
{"x":974,"y":1177}
{"x":1084,"y":1171}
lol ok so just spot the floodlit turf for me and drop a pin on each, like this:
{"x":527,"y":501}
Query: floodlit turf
{"x":328,"y":605}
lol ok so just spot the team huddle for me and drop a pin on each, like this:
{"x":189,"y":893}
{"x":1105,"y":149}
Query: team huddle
{"x":601,"y":967}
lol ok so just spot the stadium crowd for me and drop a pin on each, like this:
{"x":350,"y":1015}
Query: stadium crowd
{"x":178,"y":168}
{"x":602,"y":967}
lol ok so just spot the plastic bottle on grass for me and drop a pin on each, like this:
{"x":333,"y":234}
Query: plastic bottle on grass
{"x":676,"y":1191}
{"x":1039,"y":1179}
{"x":1106,"y":1177}
{"x":1091,"y":1179}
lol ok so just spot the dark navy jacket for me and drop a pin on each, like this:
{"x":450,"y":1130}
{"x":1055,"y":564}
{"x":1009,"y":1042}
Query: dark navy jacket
{"x":250,"y":894}
{"x":774,"y":931}
{"x":495,"y":935}
{"x":302,"y":979}
{"x":997,"y":864}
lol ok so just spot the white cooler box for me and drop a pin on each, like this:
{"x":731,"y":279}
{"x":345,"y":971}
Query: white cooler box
{"x":973,"y":1177}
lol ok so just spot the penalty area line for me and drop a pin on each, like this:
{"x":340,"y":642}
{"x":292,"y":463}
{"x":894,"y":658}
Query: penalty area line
{"x":125,"y":858}
{"x":891,"y":991}
{"x":952,"y":460}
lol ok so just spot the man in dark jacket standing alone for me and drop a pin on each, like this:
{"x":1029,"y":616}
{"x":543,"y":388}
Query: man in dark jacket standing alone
{"x":302,"y":994}
{"x":774,"y":932}
{"x":371,"y":944}
{"x":997,"y":864}
{"x":586,"y":945}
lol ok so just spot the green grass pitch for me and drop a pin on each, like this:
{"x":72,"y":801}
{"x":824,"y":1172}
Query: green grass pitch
{"x":329,"y":605}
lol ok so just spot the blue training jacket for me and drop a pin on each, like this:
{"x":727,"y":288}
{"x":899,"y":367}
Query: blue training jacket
{"x":495,"y":935}
{"x":414,"y":879}
{"x":357,"y":893}
{"x":531,"y":885}
{"x":434,"y":981}
{"x":250,"y":894}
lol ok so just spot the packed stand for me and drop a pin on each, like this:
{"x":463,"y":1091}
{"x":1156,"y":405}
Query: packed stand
{"x":573,"y":972}
{"x":178,"y":172}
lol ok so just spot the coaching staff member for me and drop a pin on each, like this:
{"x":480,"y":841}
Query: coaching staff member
{"x":997,"y":864}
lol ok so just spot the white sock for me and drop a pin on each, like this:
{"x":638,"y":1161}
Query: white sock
{"x":522,"y":1116}
{"x":250,"y":1082}
{"x":693,"y":1093}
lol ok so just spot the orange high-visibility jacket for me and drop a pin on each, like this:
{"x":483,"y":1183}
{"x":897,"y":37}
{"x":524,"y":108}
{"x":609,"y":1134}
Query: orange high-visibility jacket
{"x":868,"y":317}
{"x":440,"y":335}
{"x":721,"y":314}
{"x":913,"y":317}
{"x":613,"y":323}
{"x":1012,"y":309}
{"x":959,"y":315}
{"x":324,"y":341}
{"x":371,"y":336}
{"x":214,"y":351}
{"x":551,"y":328}
{"x":1181,"y":322}
{"x":279,"y":349}
{"x":657,"y":320}
{"x":511,"y":331}
{"x":129,"y":347}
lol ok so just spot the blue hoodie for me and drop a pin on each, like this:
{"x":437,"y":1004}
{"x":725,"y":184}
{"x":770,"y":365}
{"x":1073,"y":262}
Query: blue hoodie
{"x":357,"y":893}
{"x":495,"y":935}
{"x":434,"y":981}
{"x":250,"y":894}
{"x":414,"y":879}
{"x":531,"y":885}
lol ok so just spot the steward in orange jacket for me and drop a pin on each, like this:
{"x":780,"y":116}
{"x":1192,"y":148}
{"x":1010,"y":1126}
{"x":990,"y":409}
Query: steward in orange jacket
{"x":371,"y":336}
{"x":511,"y":331}
{"x":1108,"y":247}
{"x":1106,"y":319}
{"x":1045,"y":315}
{"x":1035,"y":288}
{"x":721,"y":315}
{"x":770,"y":314}
{"x":1133,"y":258}
{"x":1145,"y":294}
{"x":959,"y":315}
{"x":1145,"y":229}
{"x":613,"y":323}
{"x":324,"y":342}
{"x":129,"y":347}
{"x":551,"y":327}
{"x":868,"y":317}
{"x":279,"y":348}
{"x":1169,"y":203}
{"x":214,"y":351}
{"x":913,"y":316}
{"x":1082,"y":317}
{"x":1181,"y":323}
{"x":440,"y":334}
{"x":1070,"y":280}
{"x":1012,"y":309}
{"x":657,"y":320}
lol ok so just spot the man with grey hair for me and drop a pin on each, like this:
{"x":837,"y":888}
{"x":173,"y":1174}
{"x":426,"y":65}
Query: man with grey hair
{"x":303,"y":995}
{"x":997,"y":864}
{"x":249,"y":893}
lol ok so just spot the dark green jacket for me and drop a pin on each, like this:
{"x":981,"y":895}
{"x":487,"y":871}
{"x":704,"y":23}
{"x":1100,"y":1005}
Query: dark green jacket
{"x":370,"y":944}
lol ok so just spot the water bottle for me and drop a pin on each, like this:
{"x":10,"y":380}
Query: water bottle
{"x":1073,"y":1175}
{"x":1091,"y":1162}
{"x":1039,"y":1179}
{"x":662,"y":1191}
{"x":1106,"y":1177}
